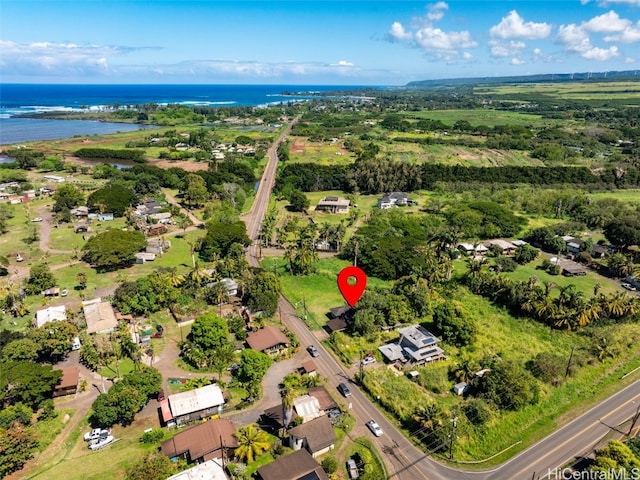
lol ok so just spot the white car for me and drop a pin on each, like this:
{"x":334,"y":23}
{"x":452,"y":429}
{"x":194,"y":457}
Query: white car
{"x":369,"y":359}
{"x":95,"y":433}
{"x":101,"y":442}
{"x":628,"y":286}
{"x":374,"y":427}
{"x":37,"y":219}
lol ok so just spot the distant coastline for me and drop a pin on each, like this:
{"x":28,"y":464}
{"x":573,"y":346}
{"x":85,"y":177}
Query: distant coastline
{"x":32,"y":112}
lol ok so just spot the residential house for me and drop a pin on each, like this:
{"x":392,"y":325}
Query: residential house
{"x":415,"y":346}
{"x":317,"y":402}
{"x":50,"y":314}
{"x":471,"y":249}
{"x":105,"y":217}
{"x":309,"y":368}
{"x":339,"y":318}
{"x":99,"y":316}
{"x":81,"y":227}
{"x":200,"y":443}
{"x":144,"y":257}
{"x":157,"y":245}
{"x":306,"y":407}
{"x":81,"y":211}
{"x":325,"y":400}
{"x":296,"y":466}
{"x":68,"y":383}
{"x":506,"y":247}
{"x":394,"y":199}
{"x":210,"y":470}
{"x":316,"y":436}
{"x":51,"y":292}
{"x":333,"y":205}
{"x":192,"y":405}
{"x":230,"y":285}
{"x":54,"y":178}
{"x":573,"y":269}
{"x":148,"y":207}
{"x":267,"y":340}
{"x":161,"y":217}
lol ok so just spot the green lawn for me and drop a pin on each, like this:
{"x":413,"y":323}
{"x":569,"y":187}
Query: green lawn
{"x":585,"y":284}
{"x":484,"y":116}
{"x":318,"y":292}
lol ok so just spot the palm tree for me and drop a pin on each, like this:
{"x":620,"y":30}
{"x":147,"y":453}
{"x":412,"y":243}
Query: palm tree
{"x":589,"y":312}
{"x":251,"y":442}
{"x":174,"y":278}
{"x":197,"y":275}
{"x":81,"y":278}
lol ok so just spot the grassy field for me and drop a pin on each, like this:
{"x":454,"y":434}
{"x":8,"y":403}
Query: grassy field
{"x":497,"y":331}
{"x":457,"y":155}
{"x":579,"y":90}
{"x":106,"y":464}
{"x":484,"y":116}
{"x":317,"y":292}
{"x":323,"y":153}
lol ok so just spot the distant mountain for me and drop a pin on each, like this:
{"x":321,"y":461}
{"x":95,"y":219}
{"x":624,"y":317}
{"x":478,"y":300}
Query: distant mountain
{"x":547,"y":77}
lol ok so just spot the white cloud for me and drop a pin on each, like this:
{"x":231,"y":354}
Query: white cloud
{"x":630,"y":34}
{"x":609,"y":22}
{"x":601,"y":54}
{"x":436,"y":11}
{"x":56,"y":58}
{"x":576,"y":39}
{"x":342,"y":63}
{"x":501,"y":49}
{"x":629,"y":60}
{"x":49,"y":60}
{"x":635,"y":3}
{"x":517,"y":61}
{"x":467,"y":56}
{"x":431,"y":38}
{"x":514,"y":26}
{"x":397,"y":32}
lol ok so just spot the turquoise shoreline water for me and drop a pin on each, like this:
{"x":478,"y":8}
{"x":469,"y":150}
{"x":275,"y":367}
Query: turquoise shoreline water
{"x":20,"y":99}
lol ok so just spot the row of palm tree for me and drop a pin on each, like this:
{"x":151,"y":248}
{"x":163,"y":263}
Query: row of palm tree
{"x":569,"y":309}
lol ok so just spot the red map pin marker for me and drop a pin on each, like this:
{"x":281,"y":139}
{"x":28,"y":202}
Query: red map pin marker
{"x":352,"y":293}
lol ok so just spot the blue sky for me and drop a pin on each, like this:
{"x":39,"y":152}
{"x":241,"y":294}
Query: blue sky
{"x":364,"y":42}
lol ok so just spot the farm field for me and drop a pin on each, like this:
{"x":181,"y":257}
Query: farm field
{"x":581,"y":90}
{"x":484,"y":116}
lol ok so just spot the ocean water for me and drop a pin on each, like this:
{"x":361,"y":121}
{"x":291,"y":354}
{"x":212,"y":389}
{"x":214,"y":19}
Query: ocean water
{"x":20,"y":99}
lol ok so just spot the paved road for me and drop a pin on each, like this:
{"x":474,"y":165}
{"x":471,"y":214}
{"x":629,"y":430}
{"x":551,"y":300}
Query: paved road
{"x":403,"y":460}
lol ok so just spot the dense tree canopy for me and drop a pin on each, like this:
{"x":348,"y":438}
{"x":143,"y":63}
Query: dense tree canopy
{"x":508,"y":385}
{"x":112,"y":198}
{"x":623,"y":232}
{"x":66,"y":198}
{"x":220,"y":237}
{"x":27,"y":382}
{"x":113,"y":248}
{"x":40,"y":278}
{"x":263,"y":292}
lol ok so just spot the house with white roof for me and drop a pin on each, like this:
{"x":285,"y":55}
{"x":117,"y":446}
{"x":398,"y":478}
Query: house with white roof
{"x":416,"y":346}
{"x":192,"y":405}
{"x":50,"y":314}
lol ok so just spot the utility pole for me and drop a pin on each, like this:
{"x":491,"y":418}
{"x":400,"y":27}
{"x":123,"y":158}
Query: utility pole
{"x":355,"y":254}
{"x":566,"y":373}
{"x":454,"y":424}
{"x":304,"y":306}
{"x":634,"y":419}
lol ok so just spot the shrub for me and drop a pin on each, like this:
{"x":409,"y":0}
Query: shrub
{"x":152,"y":436}
{"x":330,"y":465}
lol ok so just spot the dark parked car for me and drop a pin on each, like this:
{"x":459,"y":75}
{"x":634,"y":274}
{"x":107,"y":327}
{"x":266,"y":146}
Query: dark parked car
{"x":344,"y":390}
